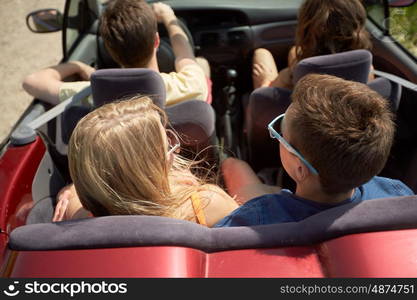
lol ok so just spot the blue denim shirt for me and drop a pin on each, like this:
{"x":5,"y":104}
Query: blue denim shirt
{"x":287,"y":207}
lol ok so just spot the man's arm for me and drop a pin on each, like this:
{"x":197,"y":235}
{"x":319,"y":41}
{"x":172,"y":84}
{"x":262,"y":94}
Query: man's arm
{"x":181,"y":46}
{"x":45,"y":84}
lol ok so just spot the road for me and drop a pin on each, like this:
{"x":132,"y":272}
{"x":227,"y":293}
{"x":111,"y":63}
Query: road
{"x":22,"y":52}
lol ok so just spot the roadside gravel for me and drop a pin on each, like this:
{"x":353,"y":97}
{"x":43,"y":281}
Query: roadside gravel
{"x":22,"y":52}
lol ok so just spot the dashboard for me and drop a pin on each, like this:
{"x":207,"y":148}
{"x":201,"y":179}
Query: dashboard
{"x":226,"y":31}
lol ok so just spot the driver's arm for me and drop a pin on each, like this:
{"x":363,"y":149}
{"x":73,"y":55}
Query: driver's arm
{"x":45,"y":84}
{"x":184,"y":54}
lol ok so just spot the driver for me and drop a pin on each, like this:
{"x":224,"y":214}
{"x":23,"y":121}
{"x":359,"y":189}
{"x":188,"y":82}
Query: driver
{"x":129,"y":32}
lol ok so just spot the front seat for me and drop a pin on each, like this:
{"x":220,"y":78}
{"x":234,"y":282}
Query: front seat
{"x":194,"y":120}
{"x":269,"y":102}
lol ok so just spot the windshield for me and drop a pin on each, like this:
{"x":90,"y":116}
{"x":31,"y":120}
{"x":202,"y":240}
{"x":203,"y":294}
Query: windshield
{"x":71,"y":32}
{"x":403,"y":27}
{"x":81,"y":15}
{"x":376,"y":12}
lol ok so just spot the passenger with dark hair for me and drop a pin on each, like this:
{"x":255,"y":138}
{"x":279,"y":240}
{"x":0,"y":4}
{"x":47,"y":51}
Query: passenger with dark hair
{"x":324,"y":27}
{"x":335,"y":137}
{"x":129,"y":32}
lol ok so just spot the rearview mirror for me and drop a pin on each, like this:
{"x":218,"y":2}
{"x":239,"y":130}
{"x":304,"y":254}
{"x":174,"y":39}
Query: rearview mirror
{"x":45,"y":20}
{"x":400,"y":3}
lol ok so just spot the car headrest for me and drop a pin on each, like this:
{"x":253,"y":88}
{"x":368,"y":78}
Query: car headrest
{"x":112,"y":84}
{"x":134,"y":231}
{"x":264,"y":105}
{"x":352,"y":65}
{"x":165,"y":57}
{"x":389,"y":90}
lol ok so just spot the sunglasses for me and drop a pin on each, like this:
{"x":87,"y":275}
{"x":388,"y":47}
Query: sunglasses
{"x":275,"y":132}
{"x":174,"y":143}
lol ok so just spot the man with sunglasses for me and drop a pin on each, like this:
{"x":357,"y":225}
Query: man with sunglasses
{"x":335,"y":137}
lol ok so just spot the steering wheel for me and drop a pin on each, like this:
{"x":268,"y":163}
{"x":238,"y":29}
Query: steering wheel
{"x":165,"y":54}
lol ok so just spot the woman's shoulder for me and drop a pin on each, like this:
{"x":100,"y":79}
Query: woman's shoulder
{"x":217,"y":203}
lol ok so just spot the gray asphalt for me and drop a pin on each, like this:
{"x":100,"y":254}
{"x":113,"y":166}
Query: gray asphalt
{"x":22,"y":52}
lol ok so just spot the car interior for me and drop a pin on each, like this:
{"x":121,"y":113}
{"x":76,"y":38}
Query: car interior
{"x":226,"y":33}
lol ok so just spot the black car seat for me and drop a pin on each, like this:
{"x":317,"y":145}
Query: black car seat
{"x":134,"y":231}
{"x":165,"y":57}
{"x":267,"y":103}
{"x":193,"y":119}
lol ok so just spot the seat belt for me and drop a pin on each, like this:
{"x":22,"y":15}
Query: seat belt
{"x":26,"y":133}
{"x":58,"y":109}
{"x":403,"y":82}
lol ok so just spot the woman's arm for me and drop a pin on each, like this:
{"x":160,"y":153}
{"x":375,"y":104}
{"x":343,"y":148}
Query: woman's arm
{"x":69,"y":205}
{"x":242,"y":182}
{"x":292,"y":57}
{"x":371,"y":74}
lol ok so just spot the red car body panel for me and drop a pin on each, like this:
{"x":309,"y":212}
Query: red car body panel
{"x":165,"y":262}
{"x":18,"y":167}
{"x":378,"y":254}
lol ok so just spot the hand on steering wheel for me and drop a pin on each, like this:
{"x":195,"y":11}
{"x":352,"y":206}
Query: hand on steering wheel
{"x":165,"y":54}
{"x":163,"y":12}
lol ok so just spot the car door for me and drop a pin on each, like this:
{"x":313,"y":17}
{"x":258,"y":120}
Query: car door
{"x":390,"y":24}
{"x":80,"y":30}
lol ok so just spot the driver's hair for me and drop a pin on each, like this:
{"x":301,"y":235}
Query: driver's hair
{"x":128,"y":29}
{"x":119,"y":163}
{"x":330,"y":26}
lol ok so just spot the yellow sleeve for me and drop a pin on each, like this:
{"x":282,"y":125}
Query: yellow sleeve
{"x":69,"y":89}
{"x":198,"y":209}
{"x":190,"y":83}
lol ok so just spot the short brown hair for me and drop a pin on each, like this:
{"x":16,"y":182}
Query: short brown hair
{"x":128,"y":29}
{"x":331,"y":26}
{"x":343,"y":128}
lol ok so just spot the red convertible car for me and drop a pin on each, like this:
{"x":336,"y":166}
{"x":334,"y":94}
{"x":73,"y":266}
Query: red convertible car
{"x":375,"y":238}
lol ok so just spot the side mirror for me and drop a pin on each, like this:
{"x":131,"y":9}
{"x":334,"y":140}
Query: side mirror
{"x":44,"y":20}
{"x":400,"y":3}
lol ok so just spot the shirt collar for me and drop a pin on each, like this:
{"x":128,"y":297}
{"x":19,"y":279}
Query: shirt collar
{"x":356,"y":197}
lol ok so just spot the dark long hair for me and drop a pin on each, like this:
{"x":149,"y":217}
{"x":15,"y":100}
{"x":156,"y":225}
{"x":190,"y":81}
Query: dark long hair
{"x":331,"y":26}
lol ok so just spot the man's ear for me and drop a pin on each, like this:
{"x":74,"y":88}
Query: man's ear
{"x":301,"y":171}
{"x":157,"y":40}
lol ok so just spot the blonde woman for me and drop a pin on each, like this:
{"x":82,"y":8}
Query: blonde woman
{"x":122,"y":161}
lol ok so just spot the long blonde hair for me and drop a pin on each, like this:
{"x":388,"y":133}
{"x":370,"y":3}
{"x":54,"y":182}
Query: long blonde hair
{"x":119,"y":164}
